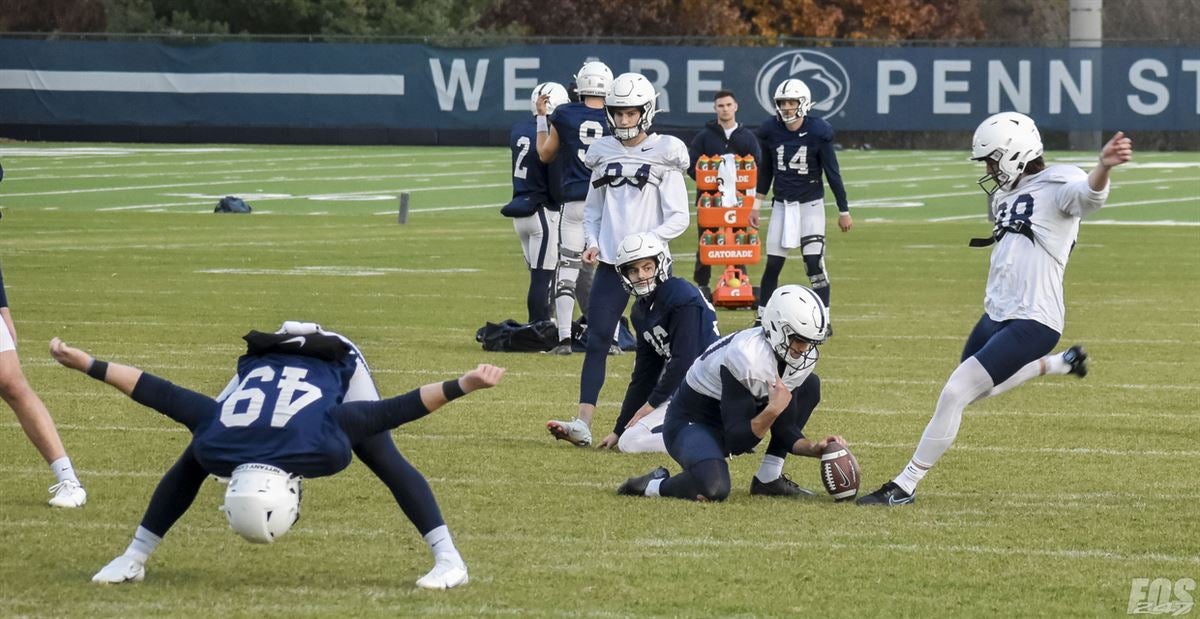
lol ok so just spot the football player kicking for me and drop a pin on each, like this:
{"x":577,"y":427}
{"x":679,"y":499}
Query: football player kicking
{"x":1037,"y":210}
{"x":302,"y":400}
{"x":674,"y":323}
{"x":757,"y":380}
{"x":637,"y":186}
{"x":572,"y":129}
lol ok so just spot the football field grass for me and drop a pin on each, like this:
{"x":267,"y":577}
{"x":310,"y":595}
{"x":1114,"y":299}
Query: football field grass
{"x":1054,"y":497}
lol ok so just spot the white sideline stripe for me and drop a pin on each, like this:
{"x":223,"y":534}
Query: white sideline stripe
{"x":1067,"y":451}
{"x":196,"y":173}
{"x":538,"y":437}
{"x":442,"y":208}
{"x":189,"y":83}
{"x":307,"y":196}
{"x":883,"y":412}
{"x":234,"y":162}
{"x":868,"y":542}
{"x":254,"y":181}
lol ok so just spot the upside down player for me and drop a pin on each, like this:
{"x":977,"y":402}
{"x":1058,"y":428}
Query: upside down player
{"x":322,"y":404}
{"x":674,"y":323}
{"x":572,"y":129}
{"x":1037,"y":210}
{"x":637,"y":186}
{"x":756,"y":380}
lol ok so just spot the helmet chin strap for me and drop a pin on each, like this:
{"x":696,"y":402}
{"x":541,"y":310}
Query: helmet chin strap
{"x":627,"y":133}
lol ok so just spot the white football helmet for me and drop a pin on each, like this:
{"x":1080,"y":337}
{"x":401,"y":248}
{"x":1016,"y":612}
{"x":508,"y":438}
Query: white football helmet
{"x":631,"y":90}
{"x":594,"y":79}
{"x":793,"y":89}
{"x":556,"y":92}
{"x":262,"y":502}
{"x":636,"y":247}
{"x":795,"y":312}
{"x":1009,"y":139}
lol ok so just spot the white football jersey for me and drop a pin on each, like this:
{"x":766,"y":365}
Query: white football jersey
{"x":1025,"y":280}
{"x":749,"y":358}
{"x":641,"y":189}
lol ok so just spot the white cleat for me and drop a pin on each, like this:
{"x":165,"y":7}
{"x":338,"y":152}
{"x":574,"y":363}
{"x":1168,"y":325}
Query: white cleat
{"x":119,"y":570}
{"x":575,"y":431}
{"x":448,"y":572}
{"x":67,"y":494}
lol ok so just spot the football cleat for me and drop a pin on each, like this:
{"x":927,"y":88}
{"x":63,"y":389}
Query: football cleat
{"x":448,"y":572}
{"x":119,"y":570}
{"x":67,"y":493}
{"x":888,"y":495}
{"x":575,"y":431}
{"x":636,"y":486}
{"x":1076,"y":356}
{"x":780,"y":487}
{"x":563,"y":348}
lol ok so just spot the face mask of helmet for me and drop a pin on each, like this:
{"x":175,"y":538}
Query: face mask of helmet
{"x":634,"y":248}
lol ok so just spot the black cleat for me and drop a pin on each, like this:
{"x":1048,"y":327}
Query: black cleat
{"x":889,"y":495}
{"x":636,"y":486}
{"x":780,"y":487}
{"x":1077,"y":357}
{"x":563,"y":348}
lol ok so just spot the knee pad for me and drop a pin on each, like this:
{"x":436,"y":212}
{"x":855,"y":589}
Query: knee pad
{"x":569,"y":259}
{"x":812,"y":245}
{"x":565,"y":288}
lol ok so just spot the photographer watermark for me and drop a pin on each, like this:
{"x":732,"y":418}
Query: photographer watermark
{"x":1161,"y":596}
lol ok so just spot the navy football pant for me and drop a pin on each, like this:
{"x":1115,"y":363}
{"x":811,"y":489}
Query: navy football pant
{"x":1002,"y":348}
{"x":604,"y":312}
{"x":366,"y":423}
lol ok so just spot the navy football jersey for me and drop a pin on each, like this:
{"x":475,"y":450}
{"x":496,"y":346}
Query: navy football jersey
{"x":674,"y":325}
{"x":578,"y":126}
{"x":794,"y":161}
{"x":535,"y":184}
{"x":279,"y":415}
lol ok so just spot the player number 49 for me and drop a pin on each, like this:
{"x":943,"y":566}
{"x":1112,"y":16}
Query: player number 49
{"x":294,"y":395}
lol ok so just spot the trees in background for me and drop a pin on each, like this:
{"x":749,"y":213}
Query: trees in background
{"x":1020,"y":21}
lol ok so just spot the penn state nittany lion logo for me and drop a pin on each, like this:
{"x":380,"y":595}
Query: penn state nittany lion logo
{"x":824,"y":76}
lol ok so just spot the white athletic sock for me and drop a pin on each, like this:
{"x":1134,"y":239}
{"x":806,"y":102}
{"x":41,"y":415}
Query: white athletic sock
{"x":143,"y":545}
{"x":63,"y":470}
{"x":1056,"y":365}
{"x":652,"y":487}
{"x":564,"y":305}
{"x":912,"y":475}
{"x":770,"y":469}
{"x":440,"y":542}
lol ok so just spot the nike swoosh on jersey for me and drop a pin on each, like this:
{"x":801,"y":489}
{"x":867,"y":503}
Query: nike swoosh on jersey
{"x":646,"y":148}
{"x":298,"y":340}
{"x":800,"y":135}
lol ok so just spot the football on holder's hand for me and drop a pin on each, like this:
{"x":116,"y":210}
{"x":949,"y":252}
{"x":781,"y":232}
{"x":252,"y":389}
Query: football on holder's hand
{"x":839,"y":472}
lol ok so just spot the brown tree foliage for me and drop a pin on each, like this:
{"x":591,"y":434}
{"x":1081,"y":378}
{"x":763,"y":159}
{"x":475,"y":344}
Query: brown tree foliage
{"x":51,"y":15}
{"x":620,"y":18}
{"x":849,"y":19}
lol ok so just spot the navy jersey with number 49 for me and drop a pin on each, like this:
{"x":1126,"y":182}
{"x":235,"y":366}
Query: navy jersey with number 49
{"x":578,"y":126}
{"x":279,"y":415}
{"x":794,"y":161}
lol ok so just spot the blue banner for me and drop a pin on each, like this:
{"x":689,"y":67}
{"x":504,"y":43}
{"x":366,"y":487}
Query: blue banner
{"x":327,"y":85}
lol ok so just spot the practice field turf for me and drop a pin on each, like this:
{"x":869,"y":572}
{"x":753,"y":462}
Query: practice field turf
{"x":1055,"y":496}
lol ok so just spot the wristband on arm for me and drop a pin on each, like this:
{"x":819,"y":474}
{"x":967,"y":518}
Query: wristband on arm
{"x":98,"y":369}
{"x":542,"y":127}
{"x":452,"y":390}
